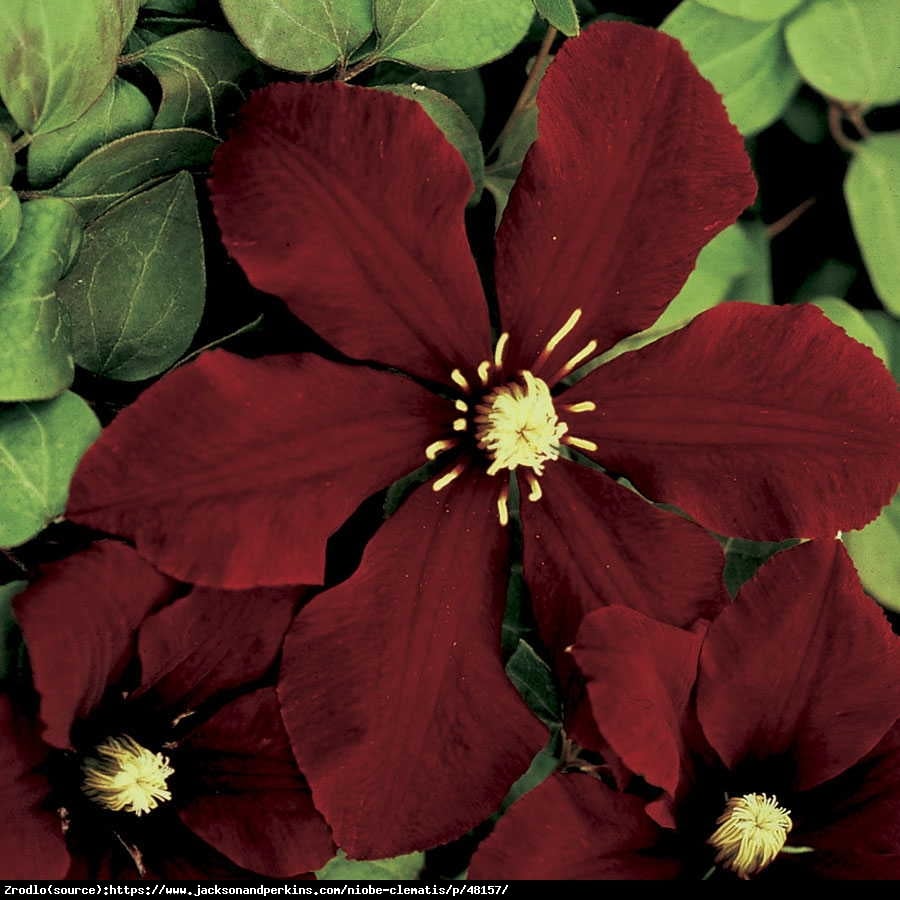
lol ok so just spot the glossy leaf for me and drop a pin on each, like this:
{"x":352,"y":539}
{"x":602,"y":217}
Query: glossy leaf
{"x":300,"y":35}
{"x":399,"y":868}
{"x":135,"y":295}
{"x":196,"y":70}
{"x":465,"y":89}
{"x":853,"y":322}
{"x":7,"y":159}
{"x":56,"y":57}
{"x":121,"y":109}
{"x":533,"y":679}
{"x":747,"y":62}
{"x":848,"y":49}
{"x":872,"y":189}
{"x":450,"y":34}
{"x":10,"y":219}
{"x":40,"y":446}
{"x":35,"y":359}
{"x":454,"y":124}
{"x":561,"y":14}
{"x":755,"y":10}
{"x":130,"y":164}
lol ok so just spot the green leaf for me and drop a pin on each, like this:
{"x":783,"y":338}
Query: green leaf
{"x":35,"y":359}
{"x":501,"y":175}
{"x":7,"y":159}
{"x":874,"y":553}
{"x":747,"y":62}
{"x":454,"y":124}
{"x":120,"y":110}
{"x":450,"y":34}
{"x":561,"y":14}
{"x":832,"y":279}
{"x":173,"y":7}
{"x":743,"y":558}
{"x":854,"y":323}
{"x":532,"y":678}
{"x":807,"y":119}
{"x":300,"y":35}
{"x":755,"y":284}
{"x":10,"y":219}
{"x":10,"y":636}
{"x":849,"y":49}
{"x":40,"y":446}
{"x":755,"y":10}
{"x":544,"y":764}
{"x":888,"y":330}
{"x":465,"y":89}
{"x":56,"y":57}
{"x":872,"y":189}
{"x":197,"y":70}
{"x":135,"y":294}
{"x":400,"y":868}
{"x":131,"y":164}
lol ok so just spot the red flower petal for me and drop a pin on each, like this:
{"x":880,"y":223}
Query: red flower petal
{"x":590,"y":542}
{"x":252,"y":804}
{"x":211,"y":641}
{"x":31,"y":840}
{"x":802,"y":663}
{"x":763,"y":422}
{"x":392,"y":684}
{"x":640,"y":677}
{"x":348,"y":204}
{"x":79,"y":622}
{"x":234,"y":472}
{"x":573,"y":827}
{"x":636,"y":167}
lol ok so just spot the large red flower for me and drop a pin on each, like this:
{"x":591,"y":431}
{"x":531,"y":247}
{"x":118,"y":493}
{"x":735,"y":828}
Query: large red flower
{"x":181,"y":769}
{"x":348,"y":204}
{"x":773,"y":739}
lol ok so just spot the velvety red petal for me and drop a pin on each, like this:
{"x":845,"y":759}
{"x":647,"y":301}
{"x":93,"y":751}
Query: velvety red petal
{"x":801,"y":665}
{"x":209,"y":642}
{"x":640,"y":676}
{"x":761,"y":422}
{"x":233,"y":472}
{"x":31,"y":840}
{"x":348,"y":204}
{"x":573,"y":827}
{"x":635,"y":168}
{"x":590,"y":542}
{"x":79,"y":620}
{"x":392,"y":684}
{"x":251,"y":802}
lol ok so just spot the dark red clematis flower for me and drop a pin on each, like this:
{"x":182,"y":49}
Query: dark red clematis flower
{"x":162,"y":752}
{"x":348,"y":204}
{"x":773,"y":736}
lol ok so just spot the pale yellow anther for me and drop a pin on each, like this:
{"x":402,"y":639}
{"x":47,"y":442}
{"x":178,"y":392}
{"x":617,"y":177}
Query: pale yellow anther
{"x":459,"y":379}
{"x":459,"y":424}
{"x":461,"y":405}
{"x":752,"y":832}
{"x":535,"y":493}
{"x":484,"y":372}
{"x":451,"y":476}
{"x":432,"y":450}
{"x":500,"y":349}
{"x":124,"y":776}
{"x":580,"y":443}
{"x":584,"y":406}
{"x":503,"y":507}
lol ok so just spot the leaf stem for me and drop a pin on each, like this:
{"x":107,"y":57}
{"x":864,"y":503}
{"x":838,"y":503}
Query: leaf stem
{"x":836,"y":114}
{"x":345,"y":74}
{"x":22,"y":141}
{"x":218,"y":341}
{"x":788,"y":219}
{"x":529,"y":90}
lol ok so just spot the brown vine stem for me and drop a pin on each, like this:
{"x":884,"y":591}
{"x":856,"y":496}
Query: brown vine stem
{"x":344,"y":74}
{"x":836,"y":115}
{"x":788,"y":219}
{"x":529,"y":90}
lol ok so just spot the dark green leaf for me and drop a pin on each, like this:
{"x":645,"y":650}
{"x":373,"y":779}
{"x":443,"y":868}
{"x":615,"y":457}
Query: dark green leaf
{"x":10,"y":219}
{"x":743,"y":558}
{"x":10,"y":636}
{"x":300,"y":35}
{"x":755,"y":10}
{"x":466,"y":89}
{"x":872,"y":189}
{"x":40,"y":446}
{"x":501,"y":175}
{"x":400,"y":868}
{"x":747,"y":62}
{"x":56,"y":57}
{"x":832,"y":279}
{"x":7,"y":159}
{"x":849,"y":49}
{"x":561,"y":14}
{"x":807,"y":119}
{"x":173,"y":7}
{"x":450,"y":34}
{"x":130,"y":164}
{"x":533,"y":679}
{"x":544,"y":764}
{"x":35,"y":358}
{"x":121,"y":109}
{"x":853,"y":322}
{"x":135,"y":294}
{"x":454,"y":124}
{"x":197,"y":69}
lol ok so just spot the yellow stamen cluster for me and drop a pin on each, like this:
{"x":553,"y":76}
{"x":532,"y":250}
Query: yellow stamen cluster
{"x":752,"y":832}
{"x":123,"y":775}
{"x":516,"y":425}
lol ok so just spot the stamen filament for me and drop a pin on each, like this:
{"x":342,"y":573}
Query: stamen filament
{"x":584,"y":406}
{"x":459,"y":424}
{"x":574,"y":362}
{"x":535,"y":485}
{"x":554,"y":342}
{"x":500,"y":349}
{"x":580,"y":443}
{"x":484,"y":371}
{"x":503,"y":506}
{"x":444,"y":480}
{"x":461,"y":405}
{"x":459,"y":379}
{"x":432,"y":450}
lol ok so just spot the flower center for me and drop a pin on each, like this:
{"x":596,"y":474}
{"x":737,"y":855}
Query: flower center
{"x":752,"y":832}
{"x":516,"y":425}
{"x":123,"y":775}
